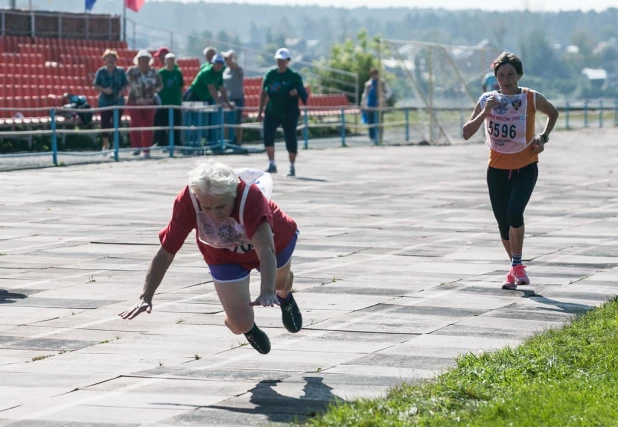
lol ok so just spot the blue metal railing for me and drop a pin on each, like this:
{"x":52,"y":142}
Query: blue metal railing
{"x":205,"y":127}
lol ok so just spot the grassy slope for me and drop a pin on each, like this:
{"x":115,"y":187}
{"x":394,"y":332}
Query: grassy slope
{"x":563,"y":377}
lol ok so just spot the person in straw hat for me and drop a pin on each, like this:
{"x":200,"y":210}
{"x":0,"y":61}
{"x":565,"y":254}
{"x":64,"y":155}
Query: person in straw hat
{"x":144,"y":83}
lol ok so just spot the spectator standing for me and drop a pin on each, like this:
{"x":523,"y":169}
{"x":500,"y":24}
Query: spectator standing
{"x":490,"y":82}
{"x":160,"y":56}
{"x":111,"y":83}
{"x":208,"y":84}
{"x":369,"y":101}
{"x":208,"y":87}
{"x":171,"y":94}
{"x":209,"y":53}
{"x":281,"y":89}
{"x":145,"y":83}
{"x":233,"y":78}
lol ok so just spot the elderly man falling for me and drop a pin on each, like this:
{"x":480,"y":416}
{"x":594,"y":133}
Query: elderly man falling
{"x":238,"y":228}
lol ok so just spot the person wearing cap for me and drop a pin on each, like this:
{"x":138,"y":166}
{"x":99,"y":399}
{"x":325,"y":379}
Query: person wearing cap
{"x":144,"y":83}
{"x":209,"y":53}
{"x":208,"y":87}
{"x":208,"y":84}
{"x":160,"y":55}
{"x":76,"y":102}
{"x":171,"y":94}
{"x":233,"y":77}
{"x":281,"y":89}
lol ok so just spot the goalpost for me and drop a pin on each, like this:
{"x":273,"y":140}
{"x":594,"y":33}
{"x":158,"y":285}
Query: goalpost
{"x":440,"y":83}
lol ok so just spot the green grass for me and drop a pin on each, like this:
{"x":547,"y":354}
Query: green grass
{"x":563,"y":377}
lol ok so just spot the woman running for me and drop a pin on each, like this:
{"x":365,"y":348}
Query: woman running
{"x":509,"y":117}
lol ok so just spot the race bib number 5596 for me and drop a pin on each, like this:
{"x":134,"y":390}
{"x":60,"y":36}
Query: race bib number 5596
{"x":501,"y":130}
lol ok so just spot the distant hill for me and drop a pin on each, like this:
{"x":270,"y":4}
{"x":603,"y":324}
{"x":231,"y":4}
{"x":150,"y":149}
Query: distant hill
{"x":249,"y":22}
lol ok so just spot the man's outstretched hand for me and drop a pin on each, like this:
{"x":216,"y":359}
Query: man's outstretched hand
{"x":266,"y":299}
{"x":136,"y":309}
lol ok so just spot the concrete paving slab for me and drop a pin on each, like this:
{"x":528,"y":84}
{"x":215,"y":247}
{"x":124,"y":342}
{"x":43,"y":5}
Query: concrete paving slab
{"x":395,"y":277}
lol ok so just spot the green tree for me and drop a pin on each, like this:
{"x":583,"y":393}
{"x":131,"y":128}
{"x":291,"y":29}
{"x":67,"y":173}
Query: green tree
{"x":586,"y":45}
{"x":224,"y":37}
{"x":355,"y":57}
{"x":255,"y":35}
{"x":539,"y":56}
{"x":608,"y":58}
{"x":274,"y":40}
{"x":197,"y":42}
{"x":499,"y":30}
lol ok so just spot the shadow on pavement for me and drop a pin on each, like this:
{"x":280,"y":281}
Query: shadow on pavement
{"x":8,"y":297}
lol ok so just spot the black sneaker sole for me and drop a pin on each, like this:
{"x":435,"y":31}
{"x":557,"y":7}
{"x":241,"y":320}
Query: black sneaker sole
{"x":291,"y":317}
{"x":259,"y":341}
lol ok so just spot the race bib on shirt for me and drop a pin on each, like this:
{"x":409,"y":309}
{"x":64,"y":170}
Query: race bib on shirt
{"x":505,"y":126}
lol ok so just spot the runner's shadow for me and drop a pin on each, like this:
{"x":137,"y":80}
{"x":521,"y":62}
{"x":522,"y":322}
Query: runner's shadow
{"x":558,"y":306}
{"x":8,"y":297}
{"x":280,"y":408}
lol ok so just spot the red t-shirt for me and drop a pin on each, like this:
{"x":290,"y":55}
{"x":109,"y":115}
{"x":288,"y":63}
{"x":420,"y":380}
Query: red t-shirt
{"x":257,"y":210}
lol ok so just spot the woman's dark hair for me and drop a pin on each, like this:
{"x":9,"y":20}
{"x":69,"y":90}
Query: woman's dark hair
{"x":373,"y":71}
{"x":508,"y":58}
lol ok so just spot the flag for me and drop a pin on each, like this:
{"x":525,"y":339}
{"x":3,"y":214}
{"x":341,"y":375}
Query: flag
{"x":90,"y":4}
{"x":135,"y":5}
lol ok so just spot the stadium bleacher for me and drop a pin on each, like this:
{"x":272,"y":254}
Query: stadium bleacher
{"x":37,"y":71}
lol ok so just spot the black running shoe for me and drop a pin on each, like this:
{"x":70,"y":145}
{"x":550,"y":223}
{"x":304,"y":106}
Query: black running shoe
{"x":258,"y":340}
{"x":291,"y":316}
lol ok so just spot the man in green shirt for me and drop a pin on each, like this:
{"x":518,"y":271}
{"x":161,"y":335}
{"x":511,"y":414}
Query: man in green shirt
{"x":208,"y":84}
{"x":281,"y":87}
{"x":171,"y":94}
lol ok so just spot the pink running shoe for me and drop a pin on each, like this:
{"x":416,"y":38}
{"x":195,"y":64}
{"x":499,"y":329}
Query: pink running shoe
{"x":521,"y":278}
{"x":509,"y":282}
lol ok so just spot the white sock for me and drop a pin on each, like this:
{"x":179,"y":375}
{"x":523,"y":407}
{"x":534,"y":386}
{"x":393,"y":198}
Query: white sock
{"x":291,"y":164}
{"x":271,"y":163}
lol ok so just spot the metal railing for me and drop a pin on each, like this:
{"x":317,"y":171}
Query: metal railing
{"x":210,"y":129}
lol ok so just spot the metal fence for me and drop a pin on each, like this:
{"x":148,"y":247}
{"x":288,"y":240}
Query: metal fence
{"x":208,"y":129}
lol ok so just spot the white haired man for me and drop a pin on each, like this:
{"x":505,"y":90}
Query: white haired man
{"x":209,"y":53}
{"x":237,"y":229}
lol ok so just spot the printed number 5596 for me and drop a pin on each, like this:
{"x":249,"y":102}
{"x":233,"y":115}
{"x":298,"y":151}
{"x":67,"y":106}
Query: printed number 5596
{"x":505,"y":130}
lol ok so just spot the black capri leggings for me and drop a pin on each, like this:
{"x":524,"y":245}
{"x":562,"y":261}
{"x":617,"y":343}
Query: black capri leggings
{"x":509,"y":192}
{"x":288,"y":124}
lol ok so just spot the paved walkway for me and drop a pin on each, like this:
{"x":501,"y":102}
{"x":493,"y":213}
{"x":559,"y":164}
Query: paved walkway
{"x":398,"y":271}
